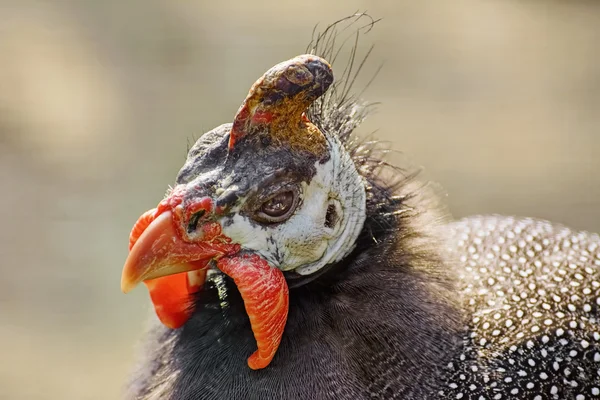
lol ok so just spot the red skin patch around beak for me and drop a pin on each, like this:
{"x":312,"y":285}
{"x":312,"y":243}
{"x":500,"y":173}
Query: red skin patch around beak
{"x":140,"y":226}
{"x":262,"y":287}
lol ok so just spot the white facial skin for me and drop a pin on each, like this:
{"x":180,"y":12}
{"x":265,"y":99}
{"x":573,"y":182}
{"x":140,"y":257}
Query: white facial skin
{"x":304,"y":243}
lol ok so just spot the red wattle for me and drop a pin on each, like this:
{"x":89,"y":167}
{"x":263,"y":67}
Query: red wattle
{"x":171,"y":298}
{"x":266,"y":299}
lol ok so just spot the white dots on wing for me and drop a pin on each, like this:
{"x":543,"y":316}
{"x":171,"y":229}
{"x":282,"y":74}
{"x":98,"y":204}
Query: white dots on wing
{"x":545,"y":339}
{"x":533,"y":291}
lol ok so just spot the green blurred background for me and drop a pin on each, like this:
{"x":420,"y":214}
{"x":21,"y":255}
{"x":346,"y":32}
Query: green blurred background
{"x":498,"y":99}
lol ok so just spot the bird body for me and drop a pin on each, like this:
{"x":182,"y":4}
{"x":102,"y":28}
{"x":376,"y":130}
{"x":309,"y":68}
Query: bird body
{"x":526,"y":337}
{"x":532,"y":292}
{"x":289,"y":240}
{"x":527,"y":333}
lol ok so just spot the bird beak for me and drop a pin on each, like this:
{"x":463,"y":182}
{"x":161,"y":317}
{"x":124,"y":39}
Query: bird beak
{"x":161,"y":257}
{"x":159,"y":251}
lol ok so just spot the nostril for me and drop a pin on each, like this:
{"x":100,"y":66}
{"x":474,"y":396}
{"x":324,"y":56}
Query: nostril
{"x":193,"y":223}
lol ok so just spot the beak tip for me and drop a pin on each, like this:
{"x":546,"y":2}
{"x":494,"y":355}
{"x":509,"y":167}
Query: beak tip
{"x":127,"y":285}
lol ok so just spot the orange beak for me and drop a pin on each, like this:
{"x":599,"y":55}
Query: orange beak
{"x":159,"y":251}
{"x":173,"y":268}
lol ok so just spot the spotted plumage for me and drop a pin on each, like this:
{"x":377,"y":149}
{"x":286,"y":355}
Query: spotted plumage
{"x":532,"y":292}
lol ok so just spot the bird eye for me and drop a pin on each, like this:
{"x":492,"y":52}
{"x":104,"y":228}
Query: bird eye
{"x":279,"y":207}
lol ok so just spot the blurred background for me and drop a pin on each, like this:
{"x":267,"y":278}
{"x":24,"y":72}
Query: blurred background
{"x":498,"y":99}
